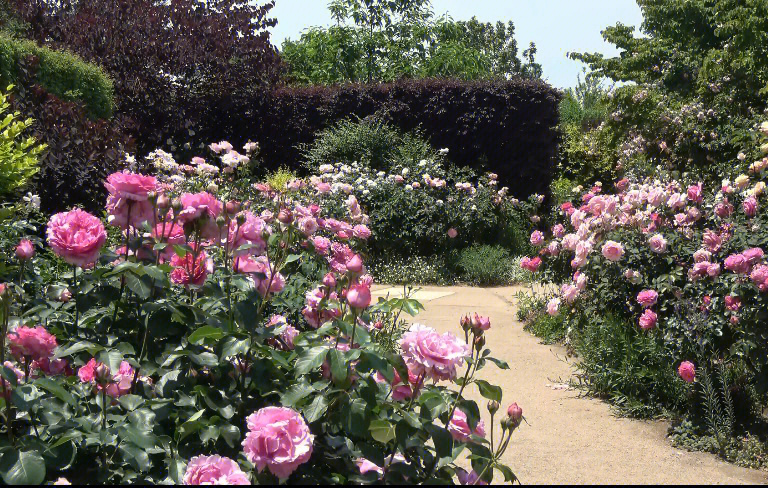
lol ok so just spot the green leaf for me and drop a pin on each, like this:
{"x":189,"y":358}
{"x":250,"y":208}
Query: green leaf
{"x":131,"y":402}
{"x":489,"y":391}
{"x":498,"y":362}
{"x":292,"y":258}
{"x":56,"y":390}
{"x":140,"y":285}
{"x":9,"y":376}
{"x":311,"y":359}
{"x":77,"y":347}
{"x":382,"y":431}
{"x":296,"y":393}
{"x":316,"y":409}
{"x":443,"y":442}
{"x":206,"y":333}
{"x":339,"y":368}
{"x":22,"y":468}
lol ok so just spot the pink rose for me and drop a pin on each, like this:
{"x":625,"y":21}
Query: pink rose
{"x":361,"y":232}
{"x":128,"y":198}
{"x":702,"y":255}
{"x":737,"y":263}
{"x":202,"y":206}
{"x":359,"y":296}
{"x":753,"y":255}
{"x":459,"y":427}
{"x":712,"y":241}
{"x":190,"y":271}
{"x":250,"y":233}
{"x":366,"y":466}
{"x":558,"y":231}
{"x":759,"y":276}
{"x":647,"y":320}
{"x":695,"y":193}
{"x":34,"y":343}
{"x":480,"y":322}
{"x":278,"y":439}
{"x":531,"y":265}
{"x":431,"y":354}
{"x":537,"y":238}
{"x":452,"y":233}
{"x":471,"y":478}
{"x":732,"y":303}
{"x":622,"y":184}
{"x":570,"y":292}
{"x":613,"y":251}
{"x":687,"y":371}
{"x":321,"y":244}
{"x":214,"y":470}
{"x":117,"y":385}
{"x":52,"y":367}
{"x":553,"y":307}
{"x":724,"y":209}
{"x":750,"y":206}
{"x":25,"y":250}
{"x":355,"y":264}
{"x":76,"y":237}
{"x":658,"y":244}
{"x":647,"y":298}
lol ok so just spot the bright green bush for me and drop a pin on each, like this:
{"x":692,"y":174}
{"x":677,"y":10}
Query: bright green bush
{"x":60,"y":73}
{"x":486,"y":265}
{"x":18,"y":153}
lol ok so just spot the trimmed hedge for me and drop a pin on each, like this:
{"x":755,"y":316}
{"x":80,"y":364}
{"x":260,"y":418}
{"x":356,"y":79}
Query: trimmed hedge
{"x":60,"y":73}
{"x":508,"y":126}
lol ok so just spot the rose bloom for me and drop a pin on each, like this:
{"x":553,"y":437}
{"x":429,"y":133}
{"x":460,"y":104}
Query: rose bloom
{"x":737,"y":263}
{"x":359,"y":296}
{"x":687,"y":371}
{"x":658,"y":244}
{"x":459,"y":427}
{"x":361,"y":231}
{"x":702,"y":255}
{"x":278,"y":439}
{"x":25,"y":250}
{"x":128,"y":198}
{"x":753,"y":255}
{"x":759,"y":276}
{"x":531,"y":265}
{"x":613,"y":251}
{"x":431,"y":354}
{"x":214,"y":470}
{"x":471,"y":478}
{"x":201,"y":205}
{"x":712,"y":241}
{"x":261,"y":271}
{"x":750,"y":206}
{"x":553,"y":307}
{"x":647,"y":298}
{"x":570,"y":292}
{"x":452,"y":233}
{"x":120,"y":384}
{"x":695,"y":193}
{"x":76,"y":237}
{"x":732,"y":303}
{"x":537,"y":238}
{"x":480,"y":322}
{"x":249,"y":232}
{"x":35,"y":343}
{"x":188,"y":271}
{"x":402,"y":390}
{"x":648,"y":320}
{"x":724,"y":209}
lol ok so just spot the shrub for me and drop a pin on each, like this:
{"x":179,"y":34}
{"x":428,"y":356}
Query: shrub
{"x":486,"y":265}
{"x":59,"y":73}
{"x":508,"y":127}
{"x":18,"y":154}
{"x":176,"y":65}
{"x":185,"y":368}
{"x":79,"y":153}
{"x":413,"y":270}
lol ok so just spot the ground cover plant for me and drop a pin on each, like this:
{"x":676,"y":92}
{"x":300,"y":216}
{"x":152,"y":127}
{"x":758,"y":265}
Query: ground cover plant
{"x":662,"y":292}
{"x":213,"y":329}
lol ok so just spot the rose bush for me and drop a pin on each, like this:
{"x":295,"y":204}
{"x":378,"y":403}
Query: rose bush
{"x":676,"y":270}
{"x":226,"y":333}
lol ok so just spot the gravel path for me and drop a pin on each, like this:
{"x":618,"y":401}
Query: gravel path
{"x":569,"y":439}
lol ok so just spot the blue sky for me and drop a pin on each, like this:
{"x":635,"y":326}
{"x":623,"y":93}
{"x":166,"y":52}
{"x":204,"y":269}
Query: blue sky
{"x":556,"y":26}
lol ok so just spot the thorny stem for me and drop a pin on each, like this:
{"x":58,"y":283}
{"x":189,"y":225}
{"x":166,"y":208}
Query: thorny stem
{"x":6,"y":311}
{"x":77,"y":295}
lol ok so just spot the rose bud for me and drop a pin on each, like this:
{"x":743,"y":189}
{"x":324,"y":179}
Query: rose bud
{"x":465,"y":322}
{"x":480,"y":342}
{"x":515,"y":413}
{"x":176,"y":205}
{"x":25,"y":250}
{"x":233,"y":207}
{"x":480,"y":322}
{"x":493,"y":406}
{"x":103,"y":375}
{"x":152,"y":197}
{"x":285,"y":216}
{"x":65,"y":295}
{"x":221,"y":221}
{"x":355,"y":264}
{"x":241,"y":219}
{"x":163,"y":201}
{"x":329,"y":280}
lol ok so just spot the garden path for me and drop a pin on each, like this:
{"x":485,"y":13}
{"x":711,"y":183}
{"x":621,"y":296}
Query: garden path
{"x":569,"y":438}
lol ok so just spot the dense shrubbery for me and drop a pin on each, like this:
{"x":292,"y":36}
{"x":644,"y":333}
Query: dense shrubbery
{"x":670,"y":278}
{"x":229,"y":340}
{"x":18,"y":151}
{"x":508,"y":127}
{"x":59,"y":73}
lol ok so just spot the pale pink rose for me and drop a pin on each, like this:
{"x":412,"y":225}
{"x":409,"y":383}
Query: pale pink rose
{"x":570,"y":241}
{"x":553,"y":306}
{"x":724,"y":209}
{"x":750,"y":206}
{"x":52,"y":367}
{"x":354,"y":263}
{"x":737,"y":263}
{"x":361,"y":232}
{"x":76,"y":237}
{"x":632,"y":275}
{"x":122,"y":382}
{"x":359,"y":296}
{"x":702,"y":255}
{"x":553,"y":248}
{"x":558,"y":231}
{"x":676,"y":200}
{"x":34,"y":343}
{"x":570,"y":292}
{"x":647,"y":298}
{"x":321,"y":244}
{"x":580,"y":279}
{"x":759,"y":276}
{"x":459,"y":427}
{"x":713,"y":270}
{"x":452,"y":233}
{"x":25,"y":250}
{"x":613,"y":251}
{"x":622,"y":184}
{"x":537,"y":238}
{"x":214,"y":470}
{"x":648,"y":320}
{"x":687,"y":371}
{"x":480,"y":322}
{"x":431,"y":354}
{"x":712,"y":241}
{"x":753,"y":255}
{"x":658,"y":244}
{"x":366,"y":466}
{"x":261,"y":271}
{"x":278,"y":439}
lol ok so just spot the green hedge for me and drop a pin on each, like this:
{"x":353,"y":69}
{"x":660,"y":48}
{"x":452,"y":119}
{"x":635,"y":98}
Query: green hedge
{"x":60,"y":73}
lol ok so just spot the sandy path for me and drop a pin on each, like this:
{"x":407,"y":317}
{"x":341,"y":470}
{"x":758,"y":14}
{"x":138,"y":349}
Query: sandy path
{"x":570,"y":440}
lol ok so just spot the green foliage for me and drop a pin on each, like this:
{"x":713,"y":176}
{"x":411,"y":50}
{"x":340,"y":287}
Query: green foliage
{"x":413,"y":270}
{"x":486,"y":265}
{"x":700,"y":73}
{"x":386,"y":41}
{"x":18,"y":153}
{"x":60,"y":73}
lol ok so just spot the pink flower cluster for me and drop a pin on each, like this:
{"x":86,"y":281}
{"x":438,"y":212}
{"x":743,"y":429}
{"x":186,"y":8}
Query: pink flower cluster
{"x":433,"y":355}
{"x":116,"y":385}
{"x":31,"y":343}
